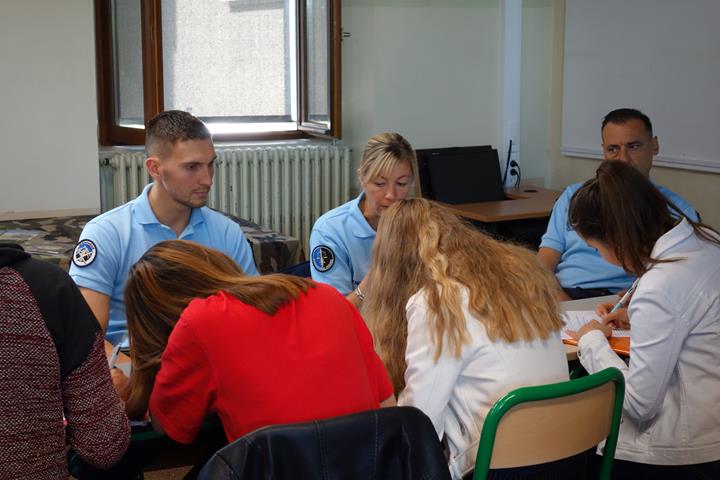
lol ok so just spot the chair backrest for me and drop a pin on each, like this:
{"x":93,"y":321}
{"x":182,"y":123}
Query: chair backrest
{"x":534,"y":425}
{"x":389,"y":443}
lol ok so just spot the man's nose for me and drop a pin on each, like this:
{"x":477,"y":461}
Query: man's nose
{"x":206,"y":177}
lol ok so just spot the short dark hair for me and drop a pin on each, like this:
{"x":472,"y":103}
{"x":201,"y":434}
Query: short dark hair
{"x":622,"y":208}
{"x":172,"y":126}
{"x":621,"y":116}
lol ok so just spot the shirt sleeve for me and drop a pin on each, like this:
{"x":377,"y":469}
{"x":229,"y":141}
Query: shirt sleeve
{"x":554,"y":237}
{"x":222,"y":232}
{"x":658,"y":334}
{"x":184,"y":389}
{"x":99,"y":274}
{"x":687,"y":209}
{"x":98,"y":429}
{"x":243,"y":254}
{"x":428,"y":384}
{"x":375,"y":367}
{"x":679,"y":202}
{"x":339,"y":274}
{"x":68,"y":317}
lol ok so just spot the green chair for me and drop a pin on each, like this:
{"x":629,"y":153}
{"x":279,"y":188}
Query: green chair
{"x":544,"y":423}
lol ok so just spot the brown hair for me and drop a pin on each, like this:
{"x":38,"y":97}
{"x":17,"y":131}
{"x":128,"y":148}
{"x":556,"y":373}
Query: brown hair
{"x":164,"y":281}
{"x":422,"y":246}
{"x":621,"y":208}
{"x":167,"y":128}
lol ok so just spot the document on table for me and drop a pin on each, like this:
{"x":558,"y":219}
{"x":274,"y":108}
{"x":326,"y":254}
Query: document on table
{"x":576,"y":319}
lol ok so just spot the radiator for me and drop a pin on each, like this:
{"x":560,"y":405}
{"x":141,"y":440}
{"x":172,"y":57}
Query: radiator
{"x":283,"y":188}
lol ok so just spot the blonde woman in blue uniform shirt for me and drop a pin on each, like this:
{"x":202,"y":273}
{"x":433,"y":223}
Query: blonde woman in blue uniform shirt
{"x":341,"y":239}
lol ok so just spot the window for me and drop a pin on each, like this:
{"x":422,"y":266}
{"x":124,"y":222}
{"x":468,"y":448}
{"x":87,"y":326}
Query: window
{"x":251,"y":69}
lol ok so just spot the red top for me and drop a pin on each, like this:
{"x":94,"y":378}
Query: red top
{"x":313,"y":359}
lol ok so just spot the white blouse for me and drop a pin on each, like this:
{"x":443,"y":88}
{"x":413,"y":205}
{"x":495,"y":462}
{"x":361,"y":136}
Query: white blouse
{"x":672,"y":385}
{"x":457,"y":393}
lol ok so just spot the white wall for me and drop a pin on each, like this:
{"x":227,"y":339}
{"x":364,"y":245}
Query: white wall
{"x":430,"y":70}
{"x":48,"y":126}
{"x":536,"y":81}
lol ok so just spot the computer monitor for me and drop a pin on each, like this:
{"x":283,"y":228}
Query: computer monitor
{"x":460,"y":174}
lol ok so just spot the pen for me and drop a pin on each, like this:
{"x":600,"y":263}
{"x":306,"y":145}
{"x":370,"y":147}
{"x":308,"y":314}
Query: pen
{"x":625,"y":297}
{"x":113,"y":357}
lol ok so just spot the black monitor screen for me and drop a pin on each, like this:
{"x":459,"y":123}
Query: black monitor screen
{"x":460,"y":174}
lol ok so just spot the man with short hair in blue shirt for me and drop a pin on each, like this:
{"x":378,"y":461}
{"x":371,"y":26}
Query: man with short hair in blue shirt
{"x":180,"y":161}
{"x":628,"y":137}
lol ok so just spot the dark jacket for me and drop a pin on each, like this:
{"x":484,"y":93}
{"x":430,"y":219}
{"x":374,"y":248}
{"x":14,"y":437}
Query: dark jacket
{"x":391,"y":443}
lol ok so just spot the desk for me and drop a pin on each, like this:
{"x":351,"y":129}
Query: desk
{"x":54,"y":239}
{"x":586,"y":303}
{"x":522,"y":218}
{"x":523,"y":203}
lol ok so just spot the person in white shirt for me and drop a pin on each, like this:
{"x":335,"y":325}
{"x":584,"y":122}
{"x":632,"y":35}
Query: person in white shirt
{"x":459,"y":319}
{"x":671,"y":426}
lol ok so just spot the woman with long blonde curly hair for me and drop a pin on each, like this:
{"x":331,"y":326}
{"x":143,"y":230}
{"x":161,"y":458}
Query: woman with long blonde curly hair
{"x":459,"y":320}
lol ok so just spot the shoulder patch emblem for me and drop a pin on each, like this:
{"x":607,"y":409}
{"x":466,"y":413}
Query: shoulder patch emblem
{"x":323,"y":258}
{"x":85,"y":253}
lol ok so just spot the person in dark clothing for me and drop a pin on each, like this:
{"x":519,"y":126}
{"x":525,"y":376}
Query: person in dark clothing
{"x":55,"y":385}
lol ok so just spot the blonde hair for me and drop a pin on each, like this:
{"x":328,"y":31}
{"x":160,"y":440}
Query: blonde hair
{"x":164,"y":281}
{"x":422,"y":246}
{"x":382,"y":153}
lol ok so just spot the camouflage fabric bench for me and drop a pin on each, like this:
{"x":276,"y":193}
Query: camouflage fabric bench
{"x":53,"y":239}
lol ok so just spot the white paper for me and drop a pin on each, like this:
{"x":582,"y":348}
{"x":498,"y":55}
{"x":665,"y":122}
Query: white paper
{"x":577,"y":318}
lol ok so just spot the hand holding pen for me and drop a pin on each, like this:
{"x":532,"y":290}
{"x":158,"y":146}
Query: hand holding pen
{"x":616,"y":314}
{"x":114,"y":355}
{"x":119,"y":379}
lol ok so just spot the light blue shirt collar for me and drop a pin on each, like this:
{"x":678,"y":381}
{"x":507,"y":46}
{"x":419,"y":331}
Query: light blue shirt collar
{"x":359,"y":225}
{"x":145,"y":215}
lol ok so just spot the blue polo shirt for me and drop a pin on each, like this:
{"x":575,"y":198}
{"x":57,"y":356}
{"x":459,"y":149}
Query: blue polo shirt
{"x":341,"y":246}
{"x":581,"y":265}
{"x":111,"y":243}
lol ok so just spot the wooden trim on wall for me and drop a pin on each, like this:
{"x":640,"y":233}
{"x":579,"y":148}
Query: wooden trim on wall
{"x":109,"y":132}
{"x":102,"y":51}
{"x":336,"y":71}
{"x":152,"y":58}
{"x":66,"y":212}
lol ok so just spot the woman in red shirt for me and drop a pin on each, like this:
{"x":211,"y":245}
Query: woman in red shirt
{"x":205,"y":338}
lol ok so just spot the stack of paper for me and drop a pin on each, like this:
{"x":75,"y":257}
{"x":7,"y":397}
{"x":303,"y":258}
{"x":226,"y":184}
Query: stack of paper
{"x":576,"y":319}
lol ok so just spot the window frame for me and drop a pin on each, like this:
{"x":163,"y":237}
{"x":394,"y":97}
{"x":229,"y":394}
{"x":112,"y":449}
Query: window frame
{"x":110,"y":133}
{"x":334,"y":68}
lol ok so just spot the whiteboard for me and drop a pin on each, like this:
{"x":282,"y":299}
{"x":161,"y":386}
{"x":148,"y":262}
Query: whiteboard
{"x":659,"y":56}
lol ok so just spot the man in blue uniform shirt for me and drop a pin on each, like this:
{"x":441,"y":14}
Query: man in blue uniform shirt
{"x":180,"y":161}
{"x":628,"y":137}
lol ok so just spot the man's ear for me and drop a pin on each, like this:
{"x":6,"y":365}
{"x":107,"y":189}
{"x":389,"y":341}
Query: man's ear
{"x":153,"y":166}
{"x":655,"y":145}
